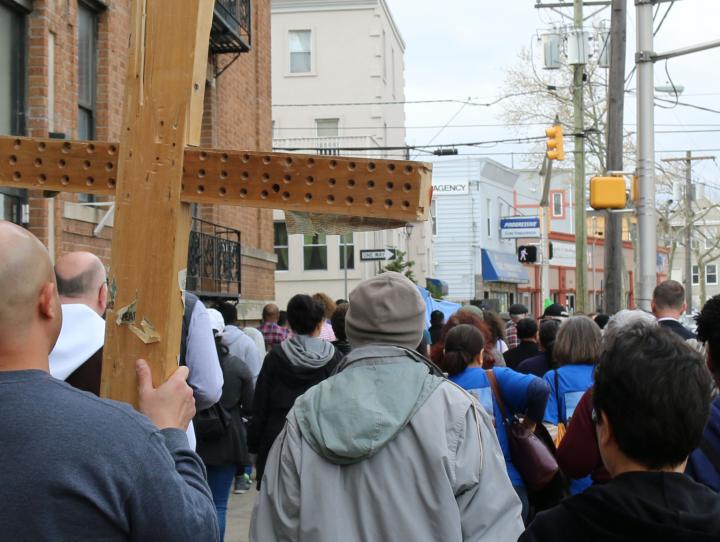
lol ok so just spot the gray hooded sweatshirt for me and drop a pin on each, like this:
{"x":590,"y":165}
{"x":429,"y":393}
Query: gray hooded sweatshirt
{"x":385,"y":450}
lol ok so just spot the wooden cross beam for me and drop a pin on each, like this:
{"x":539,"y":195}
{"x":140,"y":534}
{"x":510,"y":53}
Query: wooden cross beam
{"x":156,"y":171}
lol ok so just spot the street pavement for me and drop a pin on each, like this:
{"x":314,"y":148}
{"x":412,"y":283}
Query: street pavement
{"x":238,"y":516}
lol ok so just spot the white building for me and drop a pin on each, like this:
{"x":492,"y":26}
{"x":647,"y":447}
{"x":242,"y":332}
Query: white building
{"x":348,"y":52}
{"x":470,"y":197}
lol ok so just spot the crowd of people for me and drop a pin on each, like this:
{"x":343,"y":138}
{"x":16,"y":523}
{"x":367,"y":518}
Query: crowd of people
{"x":359,"y":420}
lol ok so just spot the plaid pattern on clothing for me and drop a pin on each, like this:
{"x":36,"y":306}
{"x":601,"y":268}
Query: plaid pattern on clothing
{"x":511,"y":335}
{"x":273,"y":333}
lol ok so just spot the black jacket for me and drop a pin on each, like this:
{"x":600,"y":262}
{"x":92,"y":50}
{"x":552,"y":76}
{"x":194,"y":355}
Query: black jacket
{"x":278,"y":385}
{"x":520,"y":353}
{"x":633,"y":507}
{"x":236,"y":399}
{"x":677,"y":327}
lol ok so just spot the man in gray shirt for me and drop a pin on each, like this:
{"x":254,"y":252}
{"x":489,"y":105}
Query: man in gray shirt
{"x":76,"y":467}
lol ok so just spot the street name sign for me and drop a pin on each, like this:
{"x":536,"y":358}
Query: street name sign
{"x":377,"y":255}
{"x":517,"y":227}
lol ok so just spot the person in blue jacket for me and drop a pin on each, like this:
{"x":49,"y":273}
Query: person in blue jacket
{"x":704,"y":463}
{"x":525,"y":395}
{"x":576,"y":350}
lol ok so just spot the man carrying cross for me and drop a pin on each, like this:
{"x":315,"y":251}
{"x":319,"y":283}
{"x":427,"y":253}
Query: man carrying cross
{"x":75,"y":466}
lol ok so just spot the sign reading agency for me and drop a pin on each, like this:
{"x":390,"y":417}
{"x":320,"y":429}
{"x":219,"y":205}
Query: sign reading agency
{"x":451,"y":188}
{"x":517,"y":227}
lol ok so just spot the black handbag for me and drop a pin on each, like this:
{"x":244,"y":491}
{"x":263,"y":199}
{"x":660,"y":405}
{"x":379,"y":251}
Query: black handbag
{"x":532,"y":458}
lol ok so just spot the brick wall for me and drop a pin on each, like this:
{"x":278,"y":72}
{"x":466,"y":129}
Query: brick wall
{"x":237,"y":115}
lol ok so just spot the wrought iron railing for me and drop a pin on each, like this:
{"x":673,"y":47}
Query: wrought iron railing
{"x":231,"y":26}
{"x":214,"y":261}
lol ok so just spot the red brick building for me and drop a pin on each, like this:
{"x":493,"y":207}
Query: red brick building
{"x":62,"y":70}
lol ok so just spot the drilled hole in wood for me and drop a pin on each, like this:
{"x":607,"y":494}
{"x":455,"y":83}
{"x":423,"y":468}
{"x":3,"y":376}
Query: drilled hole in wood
{"x":286,"y":196}
{"x":308,"y":197}
{"x":349,"y":200}
{"x":288,"y":161}
{"x":371,"y":166}
{"x":112,"y":149}
{"x":61,"y":163}
{"x":13,"y":160}
{"x":389,"y":186}
{"x":109,"y":166}
{"x":243,"y":192}
{"x":86,"y":164}
{"x":89,"y":181}
{"x":266,"y":160}
{"x":391,"y":167}
{"x":66,"y":147}
{"x":224,"y":157}
{"x":200,"y":189}
{"x":245,"y":158}
{"x":276,"y":188}
{"x":222,"y":191}
{"x":264,"y":194}
{"x":162,"y":123}
{"x":351,"y":183}
{"x":407,"y":187}
{"x":332,"y":164}
{"x":90,"y":148}
{"x":42,"y":146}
{"x":310,"y":162}
{"x":332,"y":182}
{"x":352,"y":166}
{"x":388,"y":203}
{"x":111,"y":183}
{"x":65,"y":180}
{"x":201,"y":173}
{"x":244,"y":175}
{"x":287,"y":179}
{"x":368,"y":201}
{"x":405,"y":205}
{"x":17,"y":175}
{"x":203,"y":155}
{"x":371,"y":184}
{"x":38,"y":162}
{"x":310,"y":179}
{"x":42,"y":178}
{"x":265,"y":177}
{"x":223,"y":174}
{"x":408,"y":170}
{"x":331,"y":199}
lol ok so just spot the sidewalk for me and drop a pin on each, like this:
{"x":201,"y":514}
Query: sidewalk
{"x":238,"y":516}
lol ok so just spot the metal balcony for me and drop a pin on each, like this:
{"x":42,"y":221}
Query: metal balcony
{"x":214,"y":261}
{"x":232,"y":21}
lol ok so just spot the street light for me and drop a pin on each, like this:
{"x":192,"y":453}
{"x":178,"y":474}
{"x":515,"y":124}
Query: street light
{"x":409,"y":229}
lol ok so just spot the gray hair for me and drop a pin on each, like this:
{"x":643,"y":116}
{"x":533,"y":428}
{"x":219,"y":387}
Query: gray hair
{"x":625,"y":319}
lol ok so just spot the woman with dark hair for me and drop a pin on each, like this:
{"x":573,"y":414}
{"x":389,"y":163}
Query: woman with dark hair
{"x":338,"y":324}
{"x":522,"y":395}
{"x":437,"y":351}
{"x":222,"y":451}
{"x":289,"y":370}
{"x":497,"y":329}
{"x":329,"y":307}
{"x":543,"y":362}
{"x":437,"y":319}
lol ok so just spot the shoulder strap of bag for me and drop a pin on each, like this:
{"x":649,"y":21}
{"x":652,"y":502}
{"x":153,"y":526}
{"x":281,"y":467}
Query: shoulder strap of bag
{"x":496,"y":392}
{"x":557,"y":397}
{"x":710,"y":453}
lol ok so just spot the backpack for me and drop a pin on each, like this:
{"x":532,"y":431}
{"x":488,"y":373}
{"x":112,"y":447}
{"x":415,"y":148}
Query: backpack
{"x":212,"y":423}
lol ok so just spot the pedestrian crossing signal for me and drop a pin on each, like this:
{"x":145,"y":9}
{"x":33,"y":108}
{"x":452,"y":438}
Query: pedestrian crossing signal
{"x":527,"y":254}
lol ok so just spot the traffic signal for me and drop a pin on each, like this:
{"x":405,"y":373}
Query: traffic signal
{"x":527,"y":254}
{"x":555,"y":147}
{"x":608,"y":193}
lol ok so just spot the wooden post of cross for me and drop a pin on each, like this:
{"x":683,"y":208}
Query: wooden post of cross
{"x":156,"y":171}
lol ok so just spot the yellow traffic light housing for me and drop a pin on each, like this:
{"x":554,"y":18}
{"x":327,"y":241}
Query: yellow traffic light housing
{"x":608,"y":193}
{"x":555,"y":147}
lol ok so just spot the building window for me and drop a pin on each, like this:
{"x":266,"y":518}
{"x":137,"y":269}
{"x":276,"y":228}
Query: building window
{"x":11,"y":202}
{"x":695,"y":274}
{"x":557,"y":205}
{"x":315,"y":252}
{"x":12,"y":71}
{"x":694,"y":244}
{"x":87,"y":71}
{"x":280,"y":244}
{"x":488,"y":211}
{"x":433,"y":216}
{"x":711,"y":275}
{"x":327,"y":127}
{"x":347,"y":246}
{"x":300,"y":51}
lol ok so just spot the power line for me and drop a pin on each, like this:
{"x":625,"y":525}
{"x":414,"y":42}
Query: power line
{"x":405,"y":102}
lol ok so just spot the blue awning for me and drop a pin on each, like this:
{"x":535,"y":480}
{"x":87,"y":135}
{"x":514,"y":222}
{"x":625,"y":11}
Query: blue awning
{"x":502,"y":267}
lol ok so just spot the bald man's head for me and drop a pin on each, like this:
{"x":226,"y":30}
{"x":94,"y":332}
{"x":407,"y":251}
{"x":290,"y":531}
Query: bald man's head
{"x":30,"y":304}
{"x":81,"y":278}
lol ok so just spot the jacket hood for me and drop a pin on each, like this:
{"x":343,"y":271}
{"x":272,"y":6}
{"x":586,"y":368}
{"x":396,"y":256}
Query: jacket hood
{"x":374,"y":394}
{"x":81,"y":335}
{"x":230,"y":335}
{"x":307,"y":352}
{"x":648,"y":506}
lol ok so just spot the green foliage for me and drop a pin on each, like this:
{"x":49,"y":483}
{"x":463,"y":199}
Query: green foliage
{"x":400,"y":265}
{"x":435,"y":291}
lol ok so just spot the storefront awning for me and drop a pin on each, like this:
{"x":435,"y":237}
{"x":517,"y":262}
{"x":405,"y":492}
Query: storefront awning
{"x":502,"y":267}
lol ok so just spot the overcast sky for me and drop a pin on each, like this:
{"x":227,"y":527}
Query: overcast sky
{"x":460,"y":48}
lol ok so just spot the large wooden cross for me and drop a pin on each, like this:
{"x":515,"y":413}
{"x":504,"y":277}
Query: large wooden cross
{"x":156,"y":171}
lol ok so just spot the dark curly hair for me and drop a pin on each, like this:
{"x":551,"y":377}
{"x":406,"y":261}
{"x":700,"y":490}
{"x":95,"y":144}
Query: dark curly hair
{"x":708,"y":332}
{"x":460,"y":317}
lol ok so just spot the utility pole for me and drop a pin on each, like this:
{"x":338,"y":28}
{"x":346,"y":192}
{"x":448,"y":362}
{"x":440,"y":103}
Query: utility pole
{"x":688,"y":215}
{"x":579,"y":129}
{"x":616,"y":106}
{"x":545,"y":229}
